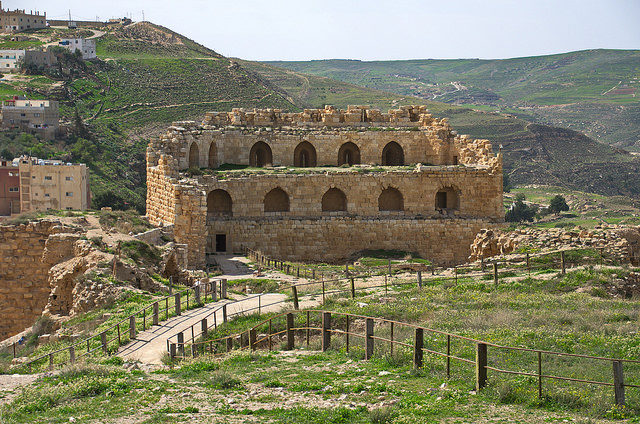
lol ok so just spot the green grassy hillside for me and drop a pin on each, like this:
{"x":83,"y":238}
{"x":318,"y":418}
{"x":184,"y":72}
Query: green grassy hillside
{"x":592,"y":91}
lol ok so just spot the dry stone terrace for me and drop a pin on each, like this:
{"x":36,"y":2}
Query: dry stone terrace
{"x":334,"y":182}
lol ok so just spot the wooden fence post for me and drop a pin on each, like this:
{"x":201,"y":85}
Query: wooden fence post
{"x":326,"y":333}
{"x":455,"y":273}
{"x":495,"y":274}
{"x":323,"y":296}
{"x":72,"y":354}
{"x":204,"y":328}
{"x":562,"y":263}
{"x":539,"y":375}
{"x":172,"y":350}
{"x":389,"y":265}
{"x":419,"y":279}
{"x":156,"y":308}
{"x":214,"y":291}
{"x":194,"y":350}
{"x":618,"y":382}
{"x":418,"y":343}
{"x":294,"y":289}
{"x":368,"y":353}
{"x":229,"y":344}
{"x":181,"y":343}
{"x":224,"y":313}
{"x":290,"y":333}
{"x":103,"y":341}
{"x":132,"y":327}
{"x":353,"y":288}
{"x":177,"y":304}
{"x":196,"y":291}
{"x":528,"y":265}
{"x":298,"y":272}
{"x":252,"y":338}
{"x":51,"y":362}
{"x":481,"y":366}
{"x":223,"y":288}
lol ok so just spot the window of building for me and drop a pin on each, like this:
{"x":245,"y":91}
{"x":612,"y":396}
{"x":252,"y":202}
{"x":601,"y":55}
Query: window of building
{"x":47,"y":178}
{"x":69,"y":193}
{"x":13,"y":189}
{"x":37,"y":115}
{"x":69,"y":208}
{"x":68,"y":178}
{"x":47,"y":195}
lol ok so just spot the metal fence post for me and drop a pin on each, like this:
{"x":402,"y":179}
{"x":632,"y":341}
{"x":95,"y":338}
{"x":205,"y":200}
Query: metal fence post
{"x":418,"y":343}
{"x":368,"y":338}
{"x":326,"y":333}
{"x":481,"y":366}
{"x":290,"y":333}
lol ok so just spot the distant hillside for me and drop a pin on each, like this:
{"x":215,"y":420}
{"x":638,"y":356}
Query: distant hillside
{"x":592,"y":91}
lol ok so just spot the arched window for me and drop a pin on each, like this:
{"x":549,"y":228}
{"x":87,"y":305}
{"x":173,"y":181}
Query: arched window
{"x":334,"y":200}
{"x":348,"y":154}
{"x":212,"y":155}
{"x":390,"y":200}
{"x":194,"y":156}
{"x":392,"y":154}
{"x":447,"y":199}
{"x":260,"y":155}
{"x":219,"y":203}
{"x":277,"y":200}
{"x":304,"y":155}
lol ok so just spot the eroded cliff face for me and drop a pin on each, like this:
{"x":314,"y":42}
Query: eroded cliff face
{"x":49,"y":268}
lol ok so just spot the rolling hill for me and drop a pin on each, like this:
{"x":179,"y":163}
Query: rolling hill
{"x":149,"y":76}
{"x":592,"y":91}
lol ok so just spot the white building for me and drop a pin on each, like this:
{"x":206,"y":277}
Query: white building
{"x":86,"y":46}
{"x":9,"y":60}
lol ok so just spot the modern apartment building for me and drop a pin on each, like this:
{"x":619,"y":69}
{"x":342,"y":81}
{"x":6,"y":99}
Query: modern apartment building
{"x":84,"y":45}
{"x":10,"y":60}
{"x":9,"y":188}
{"x":38,"y":116}
{"x":53,"y":184}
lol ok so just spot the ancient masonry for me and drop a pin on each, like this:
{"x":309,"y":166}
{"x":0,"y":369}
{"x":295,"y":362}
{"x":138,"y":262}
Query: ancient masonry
{"x":323,"y":184}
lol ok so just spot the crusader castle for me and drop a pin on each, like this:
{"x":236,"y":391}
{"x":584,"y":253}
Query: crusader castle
{"x":323,"y":184}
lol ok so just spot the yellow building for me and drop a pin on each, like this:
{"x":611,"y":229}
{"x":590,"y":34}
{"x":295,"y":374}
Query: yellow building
{"x":51,"y":184}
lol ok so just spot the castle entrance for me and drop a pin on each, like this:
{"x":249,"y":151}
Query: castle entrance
{"x":221,"y":242}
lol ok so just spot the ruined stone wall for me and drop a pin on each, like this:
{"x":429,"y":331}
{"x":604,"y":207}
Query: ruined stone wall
{"x":332,"y":238}
{"x":24,"y":288}
{"x":161,"y":194}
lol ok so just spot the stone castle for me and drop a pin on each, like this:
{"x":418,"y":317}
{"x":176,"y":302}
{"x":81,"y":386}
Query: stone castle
{"x":323,"y":184}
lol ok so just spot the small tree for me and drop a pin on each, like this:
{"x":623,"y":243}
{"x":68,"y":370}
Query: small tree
{"x":520,"y":211}
{"x":558,"y":204}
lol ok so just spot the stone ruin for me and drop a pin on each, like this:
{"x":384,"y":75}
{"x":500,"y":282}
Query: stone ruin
{"x":322,"y":184}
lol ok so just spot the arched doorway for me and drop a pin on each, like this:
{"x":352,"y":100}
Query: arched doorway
{"x":260,"y":155}
{"x":277,"y":200}
{"x":334,"y":200}
{"x":212,"y":155}
{"x":349,"y":154}
{"x":392,"y":155}
{"x":390,"y":200}
{"x":219,"y":203}
{"x":304,"y":155}
{"x":194,"y":156}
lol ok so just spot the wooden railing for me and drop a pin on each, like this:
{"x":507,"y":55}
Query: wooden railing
{"x":125,"y":330}
{"x":283,"y":329}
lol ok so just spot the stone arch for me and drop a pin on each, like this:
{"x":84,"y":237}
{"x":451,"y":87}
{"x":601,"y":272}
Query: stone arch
{"x":212,"y":155}
{"x":447,"y":198}
{"x":194,"y":156}
{"x":260,"y":155}
{"x":219,"y":203}
{"x":277,"y":200}
{"x":390,"y":200}
{"x":304,"y":155}
{"x":392,"y":154}
{"x":349,"y":154}
{"x":334,"y":200}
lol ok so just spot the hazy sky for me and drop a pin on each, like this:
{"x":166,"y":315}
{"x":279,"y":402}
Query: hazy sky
{"x":376,"y":29}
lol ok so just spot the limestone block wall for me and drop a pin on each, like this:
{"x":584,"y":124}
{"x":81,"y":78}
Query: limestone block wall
{"x":446,"y":241}
{"x":24,"y":288}
{"x":161,"y":193}
{"x":479,"y":191}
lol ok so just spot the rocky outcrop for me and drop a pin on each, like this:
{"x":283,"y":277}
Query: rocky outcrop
{"x":618,"y":243}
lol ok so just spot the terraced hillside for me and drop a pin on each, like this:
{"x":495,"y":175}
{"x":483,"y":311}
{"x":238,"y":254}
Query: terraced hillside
{"x":592,"y":91}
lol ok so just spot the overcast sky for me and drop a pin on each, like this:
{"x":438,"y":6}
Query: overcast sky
{"x":376,"y":29}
